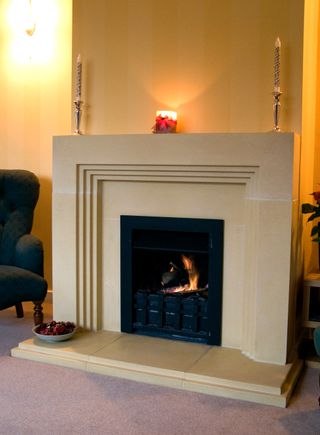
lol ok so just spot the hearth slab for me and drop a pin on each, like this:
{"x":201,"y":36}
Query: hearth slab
{"x":228,"y":367}
{"x":161,"y":354}
{"x":190,"y":366}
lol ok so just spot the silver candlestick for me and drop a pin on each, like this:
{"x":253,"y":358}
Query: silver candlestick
{"x":77,"y":112}
{"x":276,"y":110}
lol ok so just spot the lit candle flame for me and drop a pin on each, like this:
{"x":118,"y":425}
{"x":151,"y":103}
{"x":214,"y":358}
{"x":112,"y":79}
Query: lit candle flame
{"x":167,"y":114}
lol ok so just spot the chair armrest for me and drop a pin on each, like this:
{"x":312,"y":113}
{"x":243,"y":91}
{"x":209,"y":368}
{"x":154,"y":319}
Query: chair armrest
{"x":29,"y":254}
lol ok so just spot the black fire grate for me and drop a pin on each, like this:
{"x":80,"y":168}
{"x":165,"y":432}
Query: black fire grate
{"x":159,"y":292}
{"x":174,"y":314}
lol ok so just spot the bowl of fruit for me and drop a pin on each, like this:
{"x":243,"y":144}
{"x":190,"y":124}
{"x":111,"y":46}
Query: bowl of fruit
{"x":54,"y":331}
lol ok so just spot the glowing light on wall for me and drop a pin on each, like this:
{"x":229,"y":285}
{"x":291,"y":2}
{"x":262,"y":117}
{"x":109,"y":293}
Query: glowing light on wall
{"x":32,"y":26}
{"x":30,"y":23}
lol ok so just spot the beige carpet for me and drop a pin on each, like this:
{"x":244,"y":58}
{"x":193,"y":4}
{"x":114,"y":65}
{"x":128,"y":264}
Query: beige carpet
{"x":44,"y":399}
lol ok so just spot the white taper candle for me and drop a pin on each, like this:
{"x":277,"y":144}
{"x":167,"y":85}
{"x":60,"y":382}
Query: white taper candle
{"x":79,"y":78}
{"x":277,"y":48}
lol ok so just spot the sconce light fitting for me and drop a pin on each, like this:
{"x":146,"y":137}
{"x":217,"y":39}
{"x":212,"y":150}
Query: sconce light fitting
{"x":30,"y":25}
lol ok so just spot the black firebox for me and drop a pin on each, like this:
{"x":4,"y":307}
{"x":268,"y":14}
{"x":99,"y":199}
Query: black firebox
{"x":171,"y":277}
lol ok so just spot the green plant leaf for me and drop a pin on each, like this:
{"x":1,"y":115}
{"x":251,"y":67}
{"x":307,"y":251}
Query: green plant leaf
{"x":313,"y":216}
{"x":308,"y":208}
{"x":315,"y":230}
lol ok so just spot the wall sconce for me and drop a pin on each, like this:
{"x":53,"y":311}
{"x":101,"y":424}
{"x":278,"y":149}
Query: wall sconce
{"x":166,"y":122}
{"x":33,"y":30}
{"x":30,"y":23}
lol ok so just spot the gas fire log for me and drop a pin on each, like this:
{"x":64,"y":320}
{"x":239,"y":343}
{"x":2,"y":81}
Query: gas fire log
{"x":182,"y":290}
{"x":175,"y":277}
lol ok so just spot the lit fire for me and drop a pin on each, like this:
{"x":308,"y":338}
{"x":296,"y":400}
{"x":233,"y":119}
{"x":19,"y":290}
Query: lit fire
{"x":193,"y":275}
{"x":192,"y":272}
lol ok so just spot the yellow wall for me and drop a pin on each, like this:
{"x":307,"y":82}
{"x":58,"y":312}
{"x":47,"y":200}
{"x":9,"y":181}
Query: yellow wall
{"x":310,"y":163}
{"x":210,"y":60}
{"x":35,"y":89}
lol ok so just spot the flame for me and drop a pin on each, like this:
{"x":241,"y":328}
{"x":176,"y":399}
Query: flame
{"x":192,"y":272}
{"x":193,"y":276}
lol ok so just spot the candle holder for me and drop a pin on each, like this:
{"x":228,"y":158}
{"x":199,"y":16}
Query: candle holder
{"x":166,"y":122}
{"x":276,"y":110}
{"x":77,"y":112}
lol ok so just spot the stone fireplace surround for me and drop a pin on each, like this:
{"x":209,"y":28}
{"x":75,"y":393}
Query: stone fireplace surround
{"x":250,"y":180}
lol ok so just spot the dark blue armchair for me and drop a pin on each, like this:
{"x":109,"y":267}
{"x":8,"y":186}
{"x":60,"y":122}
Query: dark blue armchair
{"x":316,"y":338}
{"x":21,"y":253}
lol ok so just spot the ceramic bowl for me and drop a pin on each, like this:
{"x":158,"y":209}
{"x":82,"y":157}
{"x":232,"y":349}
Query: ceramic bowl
{"x":53,"y":338}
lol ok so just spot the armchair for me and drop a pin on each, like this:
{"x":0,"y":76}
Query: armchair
{"x":21,"y":253}
{"x":316,"y":339}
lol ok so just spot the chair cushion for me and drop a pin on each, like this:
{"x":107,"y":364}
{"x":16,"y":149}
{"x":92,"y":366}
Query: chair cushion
{"x":19,"y":192}
{"x":19,"y":285}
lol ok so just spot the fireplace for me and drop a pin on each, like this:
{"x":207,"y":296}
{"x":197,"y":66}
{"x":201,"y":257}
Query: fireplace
{"x":248,"y":180}
{"x":171,"y":277}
